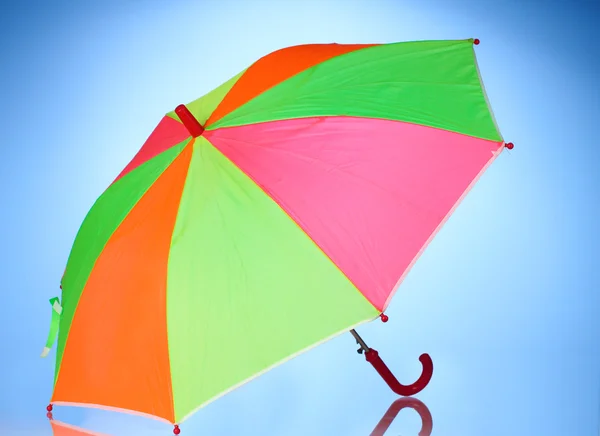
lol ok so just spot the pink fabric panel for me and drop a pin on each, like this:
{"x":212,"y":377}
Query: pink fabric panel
{"x":168,"y":133}
{"x":369,"y":192}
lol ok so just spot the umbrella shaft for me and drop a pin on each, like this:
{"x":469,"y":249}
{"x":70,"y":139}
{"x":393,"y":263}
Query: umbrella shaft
{"x":359,"y":340}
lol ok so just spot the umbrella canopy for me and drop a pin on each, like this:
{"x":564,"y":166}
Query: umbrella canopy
{"x":276,"y":212}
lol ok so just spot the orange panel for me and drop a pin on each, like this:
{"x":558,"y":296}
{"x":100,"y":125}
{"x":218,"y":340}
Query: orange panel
{"x":61,"y":429}
{"x":275,"y":68}
{"x":116,"y":354}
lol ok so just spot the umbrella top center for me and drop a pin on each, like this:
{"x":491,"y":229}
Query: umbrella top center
{"x":189,"y":121}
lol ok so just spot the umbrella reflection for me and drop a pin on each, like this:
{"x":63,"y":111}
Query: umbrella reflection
{"x":396,"y":407}
{"x":62,"y":429}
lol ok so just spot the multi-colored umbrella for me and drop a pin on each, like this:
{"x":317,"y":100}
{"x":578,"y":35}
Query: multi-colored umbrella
{"x":278,"y":211}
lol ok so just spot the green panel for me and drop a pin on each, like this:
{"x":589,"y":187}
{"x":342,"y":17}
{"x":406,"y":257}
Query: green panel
{"x":246,"y":287}
{"x":107,"y":213}
{"x":432,"y":83}
{"x":203,"y":107}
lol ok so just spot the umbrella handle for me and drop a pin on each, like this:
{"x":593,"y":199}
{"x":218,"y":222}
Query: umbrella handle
{"x":395,"y":408}
{"x":373,"y":358}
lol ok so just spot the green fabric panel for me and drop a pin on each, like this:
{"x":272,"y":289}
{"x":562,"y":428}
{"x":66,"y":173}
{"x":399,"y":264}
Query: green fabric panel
{"x":107,"y":213}
{"x":432,"y":83}
{"x":246,"y":287}
{"x":203,"y":107}
{"x":54,"y":323}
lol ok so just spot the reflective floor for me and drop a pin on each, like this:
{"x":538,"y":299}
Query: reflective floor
{"x":387,"y":420}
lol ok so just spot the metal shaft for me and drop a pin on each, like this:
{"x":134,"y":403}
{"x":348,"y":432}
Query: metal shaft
{"x":359,"y":340}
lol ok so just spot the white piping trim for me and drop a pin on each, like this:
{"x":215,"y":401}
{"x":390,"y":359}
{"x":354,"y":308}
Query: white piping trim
{"x":487,"y":101}
{"x":439,"y":227}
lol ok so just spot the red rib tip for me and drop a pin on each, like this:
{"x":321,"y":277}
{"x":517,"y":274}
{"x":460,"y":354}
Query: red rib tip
{"x":476,"y":41}
{"x":384,"y":317}
{"x":176,"y":430}
{"x":509,"y":145}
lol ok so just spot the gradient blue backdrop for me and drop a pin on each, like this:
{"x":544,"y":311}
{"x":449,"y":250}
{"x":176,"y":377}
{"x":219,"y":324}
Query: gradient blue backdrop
{"x":505,"y":299}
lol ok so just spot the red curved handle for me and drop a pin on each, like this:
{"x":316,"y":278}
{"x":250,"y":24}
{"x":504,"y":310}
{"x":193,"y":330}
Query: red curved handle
{"x":373,"y":358}
{"x":401,"y":403}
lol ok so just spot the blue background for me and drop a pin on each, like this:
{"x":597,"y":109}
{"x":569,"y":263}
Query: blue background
{"x":505,"y":299}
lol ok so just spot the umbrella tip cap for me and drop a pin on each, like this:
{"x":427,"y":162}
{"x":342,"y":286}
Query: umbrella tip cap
{"x":176,"y":430}
{"x":509,"y":145}
{"x":384,"y":317}
{"x":189,"y":121}
{"x":476,"y":41}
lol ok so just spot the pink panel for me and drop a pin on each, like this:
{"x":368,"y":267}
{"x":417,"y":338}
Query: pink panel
{"x":370,"y":193}
{"x":168,"y":133}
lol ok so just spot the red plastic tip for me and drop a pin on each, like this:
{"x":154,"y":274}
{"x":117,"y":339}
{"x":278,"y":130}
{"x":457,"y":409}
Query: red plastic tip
{"x":49,"y":407}
{"x":176,"y":430}
{"x":476,"y":41}
{"x":49,"y":416}
{"x":509,"y":145}
{"x":384,"y":317}
{"x":188,"y":120}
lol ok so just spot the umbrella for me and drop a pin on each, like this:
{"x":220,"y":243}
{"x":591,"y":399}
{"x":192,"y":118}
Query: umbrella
{"x":278,"y":211}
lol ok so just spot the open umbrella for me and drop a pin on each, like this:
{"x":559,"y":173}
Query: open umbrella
{"x":274,"y":213}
